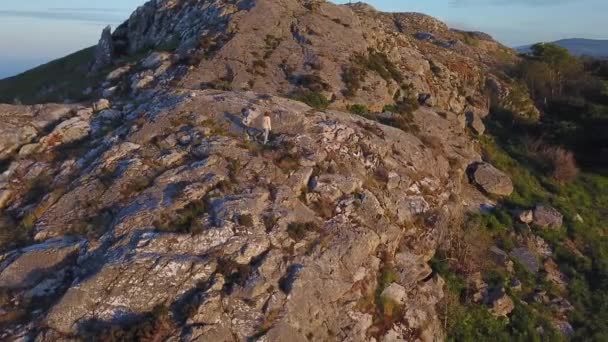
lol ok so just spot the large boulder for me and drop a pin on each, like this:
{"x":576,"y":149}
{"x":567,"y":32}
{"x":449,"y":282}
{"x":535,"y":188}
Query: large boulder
{"x":491,"y":180}
{"x":547,"y":217}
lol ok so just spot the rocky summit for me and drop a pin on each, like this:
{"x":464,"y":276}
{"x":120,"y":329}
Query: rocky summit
{"x":153,"y":212}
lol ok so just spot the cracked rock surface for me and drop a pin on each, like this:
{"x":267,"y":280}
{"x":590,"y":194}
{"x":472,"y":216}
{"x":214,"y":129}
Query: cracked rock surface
{"x":157,"y":201}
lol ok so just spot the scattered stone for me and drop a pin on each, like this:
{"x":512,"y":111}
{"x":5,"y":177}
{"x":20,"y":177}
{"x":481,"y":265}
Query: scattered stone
{"x":515,"y":285}
{"x":110,"y":115}
{"x":100,"y":105}
{"x":424,"y":36}
{"x":547,"y":217}
{"x":172,"y":159}
{"x":5,"y":197}
{"x":118,"y":73}
{"x":525,"y":216}
{"x":501,"y":258}
{"x":109,"y":92}
{"x":333,"y":186}
{"x":564,"y":327}
{"x":527,"y":259}
{"x":554,"y":275}
{"x":394,"y":293}
{"x":539,"y":246}
{"x":426,"y":99}
{"x":478,"y":287}
{"x":540,"y":296}
{"x":184,"y":139}
{"x":492,"y":180}
{"x":501,"y":305}
{"x":155,"y":59}
{"x":141,"y":81}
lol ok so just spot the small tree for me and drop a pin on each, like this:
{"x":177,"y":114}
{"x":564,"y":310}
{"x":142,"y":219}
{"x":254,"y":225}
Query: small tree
{"x":562,"y":66}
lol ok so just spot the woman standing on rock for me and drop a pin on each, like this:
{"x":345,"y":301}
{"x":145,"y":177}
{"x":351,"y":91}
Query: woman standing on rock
{"x":266,"y":126}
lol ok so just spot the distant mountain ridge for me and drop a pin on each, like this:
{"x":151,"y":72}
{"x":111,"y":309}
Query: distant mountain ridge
{"x":580,"y":47}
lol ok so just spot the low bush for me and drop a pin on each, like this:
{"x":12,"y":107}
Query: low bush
{"x":246,"y":220}
{"x":352,"y":76}
{"x":558,"y":162}
{"x":184,"y":220}
{"x":157,"y":325}
{"x":375,"y":61}
{"x":358,"y":109}
{"x":313,"y":83}
{"x":312,"y":98}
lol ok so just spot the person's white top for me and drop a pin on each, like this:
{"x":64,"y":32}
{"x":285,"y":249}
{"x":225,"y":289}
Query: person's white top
{"x":267,"y":124}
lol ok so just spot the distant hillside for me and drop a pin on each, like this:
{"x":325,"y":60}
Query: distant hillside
{"x":580,"y":47}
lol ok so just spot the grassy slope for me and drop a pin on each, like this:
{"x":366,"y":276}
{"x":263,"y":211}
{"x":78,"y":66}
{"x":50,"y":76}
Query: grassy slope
{"x":63,"y":78}
{"x":586,"y":196}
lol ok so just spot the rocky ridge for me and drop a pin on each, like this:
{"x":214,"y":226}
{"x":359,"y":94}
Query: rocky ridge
{"x":157,"y":196}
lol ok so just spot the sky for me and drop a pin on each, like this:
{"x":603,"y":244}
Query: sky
{"x":33,"y":32}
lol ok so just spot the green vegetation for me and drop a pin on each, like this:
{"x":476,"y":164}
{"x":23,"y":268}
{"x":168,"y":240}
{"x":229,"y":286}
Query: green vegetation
{"x":272,"y":43}
{"x":470,"y":39}
{"x":312,"y":98}
{"x":573,"y":94}
{"x":157,"y":325}
{"x":358,"y":109}
{"x":184,"y":220}
{"x":374,"y":61}
{"x":64,"y":78}
{"x":542,"y":157}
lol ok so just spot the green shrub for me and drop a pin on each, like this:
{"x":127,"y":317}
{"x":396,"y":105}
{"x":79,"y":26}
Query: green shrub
{"x":390,"y":108}
{"x":184,"y":220}
{"x":313,"y":83}
{"x":475,"y":323}
{"x":352,"y":76}
{"x":403,"y":122}
{"x":358,"y":109}
{"x":246,"y":220}
{"x":13,"y":235}
{"x":469,"y":39}
{"x":454,"y":283}
{"x":378,"y":62}
{"x":157,"y":325}
{"x":272,"y":43}
{"x":314,"y":99}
